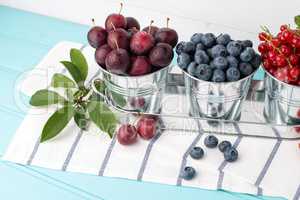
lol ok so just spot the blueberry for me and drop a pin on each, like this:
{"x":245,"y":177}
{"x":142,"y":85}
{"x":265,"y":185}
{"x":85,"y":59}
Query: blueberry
{"x":218,"y":76}
{"x":231,"y":154}
{"x":179,"y":47}
{"x":208,"y":39}
{"x":245,"y":69}
{"x":220,"y":62}
{"x":218,"y":50}
{"x":211,"y":64}
{"x":183,"y":60}
{"x":201,"y":57}
{"x":234,"y":48}
{"x":233,"y":74}
{"x":192,"y":69}
{"x":209,"y":52}
{"x":196,"y":152}
{"x":188,"y":173}
{"x":247,"y":43}
{"x":204,"y":72}
{"x":189,"y":48}
{"x":223,"y":39}
{"x":232,"y":61}
{"x":224,"y":145}
{"x":200,"y":46}
{"x":247,"y":54}
{"x":196,"y":38}
{"x":256,"y":61}
{"x":211,"y":141}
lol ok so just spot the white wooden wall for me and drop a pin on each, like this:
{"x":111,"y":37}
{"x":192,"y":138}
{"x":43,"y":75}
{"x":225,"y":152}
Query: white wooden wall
{"x":240,"y":18}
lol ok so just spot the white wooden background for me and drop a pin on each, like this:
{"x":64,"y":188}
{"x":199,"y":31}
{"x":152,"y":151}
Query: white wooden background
{"x":240,"y":18}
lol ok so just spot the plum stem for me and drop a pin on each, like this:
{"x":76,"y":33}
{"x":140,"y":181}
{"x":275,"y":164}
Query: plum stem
{"x":113,"y":26}
{"x":93,"y":22}
{"x":149,"y":30}
{"x":121,"y":7}
{"x":116,"y":43}
{"x":168,"y":19}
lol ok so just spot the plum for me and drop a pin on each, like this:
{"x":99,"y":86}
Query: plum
{"x":167,"y":35}
{"x":117,"y":61}
{"x":140,"y":66}
{"x":115,"y":20}
{"x":132,"y":23}
{"x":161,"y":55}
{"x":101,"y":53}
{"x":127,"y":134}
{"x":118,"y":38}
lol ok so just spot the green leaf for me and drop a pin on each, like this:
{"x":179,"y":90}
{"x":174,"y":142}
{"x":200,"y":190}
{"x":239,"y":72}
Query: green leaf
{"x":57,"y":122}
{"x":102,"y":116}
{"x":79,"y":60}
{"x":81,"y":120}
{"x":60,"y":80}
{"x":75,"y":73}
{"x":46,"y":97}
{"x":69,"y":92}
{"x":297,"y":20}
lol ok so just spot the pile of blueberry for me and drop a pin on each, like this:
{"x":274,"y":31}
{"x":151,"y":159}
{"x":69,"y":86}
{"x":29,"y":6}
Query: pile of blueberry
{"x":229,"y":152}
{"x":217,"y":59}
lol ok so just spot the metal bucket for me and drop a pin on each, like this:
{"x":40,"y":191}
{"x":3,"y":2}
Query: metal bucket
{"x":136,"y":93}
{"x":216,"y":100}
{"x":282,"y":101}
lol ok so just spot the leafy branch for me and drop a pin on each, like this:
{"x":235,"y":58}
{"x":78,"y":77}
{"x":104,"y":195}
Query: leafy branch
{"x":79,"y":101}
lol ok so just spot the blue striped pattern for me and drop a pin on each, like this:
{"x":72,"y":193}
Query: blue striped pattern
{"x":24,"y":39}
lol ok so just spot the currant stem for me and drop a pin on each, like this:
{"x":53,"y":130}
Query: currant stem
{"x":121,"y":7}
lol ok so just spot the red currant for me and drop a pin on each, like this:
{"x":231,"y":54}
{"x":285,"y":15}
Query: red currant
{"x":295,"y":41}
{"x":287,"y":35}
{"x":280,"y":37}
{"x":294,"y":73}
{"x":267,"y":64}
{"x":262,"y":47}
{"x":285,"y":50}
{"x":272,"y":71}
{"x":276,"y":42}
{"x":283,"y":27}
{"x":294,"y":59}
{"x":262,"y":36}
{"x":264,"y":56}
{"x":272,"y":55}
{"x":270,"y":46}
{"x":280,"y":61}
{"x":282,"y":74}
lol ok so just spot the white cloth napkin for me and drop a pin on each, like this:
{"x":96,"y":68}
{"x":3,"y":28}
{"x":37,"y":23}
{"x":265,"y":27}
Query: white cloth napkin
{"x":265,"y":166}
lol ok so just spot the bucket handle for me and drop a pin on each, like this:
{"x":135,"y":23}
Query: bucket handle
{"x":107,"y":100}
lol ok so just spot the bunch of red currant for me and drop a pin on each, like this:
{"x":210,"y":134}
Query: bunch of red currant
{"x":281,"y":54}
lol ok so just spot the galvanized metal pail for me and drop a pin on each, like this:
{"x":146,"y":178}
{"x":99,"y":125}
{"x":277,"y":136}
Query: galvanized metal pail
{"x":216,"y":100}
{"x":136,"y":93}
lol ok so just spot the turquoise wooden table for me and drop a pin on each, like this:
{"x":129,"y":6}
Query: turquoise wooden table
{"x":24,"y":39}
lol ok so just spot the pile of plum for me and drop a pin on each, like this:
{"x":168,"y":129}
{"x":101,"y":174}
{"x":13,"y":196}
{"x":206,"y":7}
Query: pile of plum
{"x":122,"y":49}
